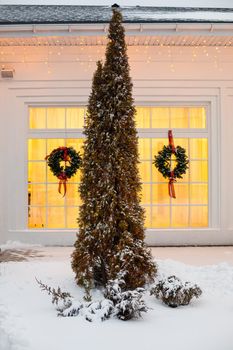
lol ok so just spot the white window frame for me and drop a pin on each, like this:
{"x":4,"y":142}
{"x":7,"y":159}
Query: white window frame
{"x":53,"y":134}
{"x":187,"y":236}
{"x":18,"y":220}
{"x":142,"y":133}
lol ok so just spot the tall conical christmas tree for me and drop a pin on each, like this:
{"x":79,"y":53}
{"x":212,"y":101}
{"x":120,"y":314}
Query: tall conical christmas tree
{"x":110,"y":243}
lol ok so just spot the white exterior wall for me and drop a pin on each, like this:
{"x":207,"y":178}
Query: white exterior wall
{"x":172,"y":75}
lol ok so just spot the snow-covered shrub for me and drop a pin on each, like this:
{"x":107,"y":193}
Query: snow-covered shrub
{"x":123,"y":304}
{"x":131,"y":305}
{"x":113,"y":290}
{"x":174,"y":293}
{"x":67,"y":307}
{"x":127,"y":304}
{"x":69,"y":310}
{"x":101,"y":310}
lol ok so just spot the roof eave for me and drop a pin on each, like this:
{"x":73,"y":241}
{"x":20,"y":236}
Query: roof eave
{"x":138,"y":29}
{"x":181,"y":21}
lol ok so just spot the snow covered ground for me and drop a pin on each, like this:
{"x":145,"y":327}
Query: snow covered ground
{"x":28,"y":320}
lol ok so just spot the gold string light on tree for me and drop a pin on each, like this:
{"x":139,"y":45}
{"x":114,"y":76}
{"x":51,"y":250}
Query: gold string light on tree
{"x":163,"y":162}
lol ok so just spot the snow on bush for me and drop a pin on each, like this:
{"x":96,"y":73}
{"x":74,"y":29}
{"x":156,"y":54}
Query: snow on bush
{"x":120,"y":303}
{"x":124,"y":305}
{"x":69,"y":309}
{"x":131,"y":305}
{"x":174,"y":293}
{"x":66,"y":307}
{"x":100,"y":310}
{"x":113,"y":290}
{"x":128,"y":304}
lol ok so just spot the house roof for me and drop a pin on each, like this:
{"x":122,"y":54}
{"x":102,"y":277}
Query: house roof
{"x":42,"y":25}
{"x":60,"y":14}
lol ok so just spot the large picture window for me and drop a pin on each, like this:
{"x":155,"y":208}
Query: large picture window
{"x":48,"y":208}
{"x":51,"y":127}
{"x":190,"y":207}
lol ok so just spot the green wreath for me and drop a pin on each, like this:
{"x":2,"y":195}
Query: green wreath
{"x":163,"y":162}
{"x":67,"y":154}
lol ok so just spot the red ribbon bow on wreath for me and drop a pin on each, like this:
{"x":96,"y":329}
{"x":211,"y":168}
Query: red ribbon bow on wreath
{"x":63,"y":180}
{"x":171,"y":188}
{"x":65,"y":154}
{"x":62,"y":177}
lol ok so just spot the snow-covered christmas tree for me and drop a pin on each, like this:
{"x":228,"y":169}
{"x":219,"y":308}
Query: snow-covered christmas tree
{"x":110,"y":244}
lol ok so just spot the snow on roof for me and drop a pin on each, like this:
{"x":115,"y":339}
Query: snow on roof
{"x":33,"y":14}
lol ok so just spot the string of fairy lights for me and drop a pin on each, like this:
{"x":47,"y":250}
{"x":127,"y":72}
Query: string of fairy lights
{"x":86,"y":55}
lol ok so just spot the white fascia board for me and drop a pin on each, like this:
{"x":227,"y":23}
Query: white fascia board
{"x":132,"y":29}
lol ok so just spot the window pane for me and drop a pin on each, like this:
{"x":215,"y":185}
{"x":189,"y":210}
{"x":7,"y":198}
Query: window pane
{"x":179,"y":117}
{"x":75,"y":118}
{"x":199,"y":194}
{"x":160,"y":117}
{"x":182,"y":142}
{"x":36,"y":194}
{"x":55,"y":118}
{"x":54,"y":197}
{"x":198,"y":148}
{"x":51,"y":177}
{"x":36,"y":217}
{"x":144,"y":149}
{"x":36,"y":149}
{"x":185,"y":177}
{"x":77,"y":144}
{"x":36,"y":172}
{"x":197,"y":117}
{"x":182,"y":194}
{"x":160,"y":194}
{"x":76,"y":178}
{"x":160,"y":216}
{"x":199,"y":216}
{"x":54,"y":143}
{"x":198,"y":171}
{"x":72,"y":215}
{"x":157,"y":145}
{"x":180,"y":216}
{"x":147,"y":217}
{"x":37,"y":118}
{"x":145,"y":171}
{"x":142,"y":117}
{"x":56,"y":217}
{"x":72,"y":196}
{"x":146,"y":195}
{"x":157,"y":176}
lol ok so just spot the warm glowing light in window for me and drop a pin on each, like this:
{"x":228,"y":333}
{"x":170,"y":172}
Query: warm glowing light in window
{"x":48,"y":209}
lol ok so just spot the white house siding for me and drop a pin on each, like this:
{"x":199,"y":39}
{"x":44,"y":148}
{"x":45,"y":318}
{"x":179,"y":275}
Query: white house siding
{"x":160,"y":75}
